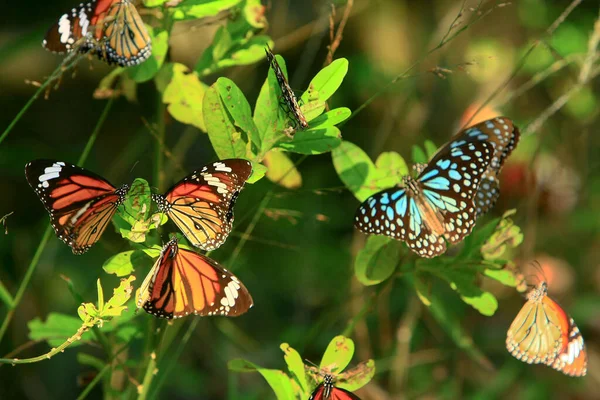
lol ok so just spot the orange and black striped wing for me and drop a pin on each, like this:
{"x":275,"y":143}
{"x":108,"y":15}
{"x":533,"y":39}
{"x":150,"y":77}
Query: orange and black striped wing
{"x":80,"y":203}
{"x":542,"y":333}
{"x":123,"y":37}
{"x":201,"y":204}
{"x":183,"y":282}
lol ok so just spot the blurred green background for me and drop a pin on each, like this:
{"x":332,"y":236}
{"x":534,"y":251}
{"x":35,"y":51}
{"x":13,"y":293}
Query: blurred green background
{"x":298,"y":261}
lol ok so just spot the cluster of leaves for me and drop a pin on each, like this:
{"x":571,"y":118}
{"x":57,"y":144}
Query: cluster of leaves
{"x":486,"y":251}
{"x":301,"y":378}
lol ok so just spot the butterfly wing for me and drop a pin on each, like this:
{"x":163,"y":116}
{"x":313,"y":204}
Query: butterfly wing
{"x":80,"y":203}
{"x":323,"y":392}
{"x":504,"y":135}
{"x":201,"y":204}
{"x":438,"y":204}
{"x":542,"y":333}
{"x":124,"y":38}
{"x":71,"y":27}
{"x":183,"y":282}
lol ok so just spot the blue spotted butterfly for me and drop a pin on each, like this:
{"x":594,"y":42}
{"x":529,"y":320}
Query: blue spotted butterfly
{"x":504,"y":135}
{"x":437,"y":204}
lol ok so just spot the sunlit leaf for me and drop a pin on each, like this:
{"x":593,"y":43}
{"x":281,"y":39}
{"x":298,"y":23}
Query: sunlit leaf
{"x":184,"y":95}
{"x":56,"y":329}
{"x":322,"y":87}
{"x":464,"y":282}
{"x":295,"y":365}
{"x":196,"y":9}
{"x":281,"y":170}
{"x":357,"y":377}
{"x":123,"y":264}
{"x":243,"y":52}
{"x":430,"y":149}
{"x":227,"y":140}
{"x":258,"y":171}
{"x":278,"y":380}
{"x":267,"y":109}
{"x":332,"y":117}
{"x":391,"y":168}
{"x":338,"y":354}
{"x":377,"y":260}
{"x":355,"y":169}
{"x":418,"y":155}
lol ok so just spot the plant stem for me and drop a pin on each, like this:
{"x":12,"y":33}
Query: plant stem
{"x":48,"y":232}
{"x":148,"y":377}
{"x":159,"y":174}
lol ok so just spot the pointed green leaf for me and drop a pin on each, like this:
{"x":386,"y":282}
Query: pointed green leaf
{"x":507,"y":235}
{"x":5,"y":296}
{"x":377,"y":260}
{"x":391,"y":168}
{"x":464,"y":282}
{"x":258,"y":171}
{"x":295,"y":365}
{"x":149,"y":68}
{"x":332,"y":117}
{"x":267,"y":109}
{"x":241,"y":52}
{"x":281,"y":170}
{"x":322,"y":87}
{"x":430,"y":149}
{"x":313,"y":141}
{"x":196,"y":9}
{"x":226,"y":138}
{"x":278,"y":380}
{"x":184,"y":95}
{"x":338,"y":354}
{"x":418,"y":155}
{"x":238,"y":109}
{"x":123,"y":264}
{"x":355,"y":169}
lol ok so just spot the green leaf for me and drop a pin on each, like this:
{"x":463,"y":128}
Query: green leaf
{"x":278,"y":380}
{"x":430,"y":149}
{"x":232,"y":53}
{"x":338,"y":354}
{"x":5,"y":296}
{"x":137,"y":204}
{"x":281,"y":170}
{"x":238,"y":109}
{"x":418,"y":155}
{"x":123,"y":264}
{"x":377,"y":260}
{"x":391,"y":168}
{"x":196,"y":9}
{"x":295,"y":365}
{"x":267,"y":109}
{"x":464,"y":282}
{"x":357,"y":377}
{"x":322,"y":87}
{"x":57,"y":328}
{"x":154,"y":3}
{"x":507,"y":235}
{"x":313,"y":141}
{"x":184,"y":95}
{"x":332,"y":117}
{"x":355,"y":169}
{"x":258,"y":171}
{"x":422,"y":288}
{"x":149,"y":68}
{"x":116,"y":305}
{"x":451,"y":324}
{"x":226,"y":139}
{"x":508,"y":274}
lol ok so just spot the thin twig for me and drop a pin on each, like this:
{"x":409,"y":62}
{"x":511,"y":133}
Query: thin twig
{"x":337,"y":39}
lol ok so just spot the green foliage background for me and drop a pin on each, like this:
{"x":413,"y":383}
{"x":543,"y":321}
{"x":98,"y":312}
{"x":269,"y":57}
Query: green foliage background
{"x":435,"y":328}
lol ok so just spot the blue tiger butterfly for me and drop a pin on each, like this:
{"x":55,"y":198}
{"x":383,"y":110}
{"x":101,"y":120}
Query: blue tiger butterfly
{"x":504,"y":135}
{"x":437,"y":204}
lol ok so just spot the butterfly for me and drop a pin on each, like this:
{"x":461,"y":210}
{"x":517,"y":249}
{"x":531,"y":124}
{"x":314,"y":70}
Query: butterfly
{"x":80,"y":203}
{"x":183,"y":282}
{"x":327,"y":391}
{"x":290,"y":104}
{"x":542,"y":333}
{"x":437,"y":204}
{"x":111,"y":29}
{"x":201,"y":204}
{"x":504,"y":135}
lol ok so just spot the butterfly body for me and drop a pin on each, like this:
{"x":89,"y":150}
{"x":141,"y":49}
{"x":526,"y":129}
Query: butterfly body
{"x":542,"y":333}
{"x":183,"y":282}
{"x":111,"y":29}
{"x":202,"y":203}
{"x":328,"y":391}
{"x":289,"y":98}
{"x":437,"y":204}
{"x":80,"y":203}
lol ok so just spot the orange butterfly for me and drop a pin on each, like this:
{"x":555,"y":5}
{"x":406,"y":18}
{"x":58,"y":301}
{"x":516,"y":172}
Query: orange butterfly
{"x":542,"y":333}
{"x":183,"y":282}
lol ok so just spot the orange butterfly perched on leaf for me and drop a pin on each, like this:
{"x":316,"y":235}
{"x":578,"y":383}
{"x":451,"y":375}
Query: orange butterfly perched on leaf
{"x":183,"y":282}
{"x":111,"y":29}
{"x":201,"y":204}
{"x":542,"y":333}
{"x":328,"y":391}
{"x":80,"y":203}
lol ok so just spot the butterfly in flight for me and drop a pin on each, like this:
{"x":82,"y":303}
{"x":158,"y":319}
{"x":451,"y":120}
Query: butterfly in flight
{"x":201,"y":204}
{"x":542,"y":333}
{"x":504,"y":135}
{"x":437,"y":204}
{"x":183,"y":282}
{"x":111,"y":29}
{"x":289,"y":103}
{"x":328,"y":391}
{"x":80,"y":203}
